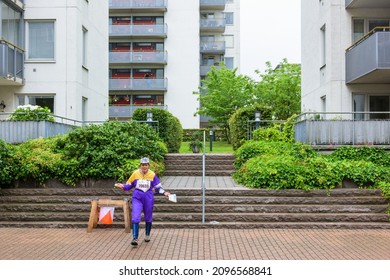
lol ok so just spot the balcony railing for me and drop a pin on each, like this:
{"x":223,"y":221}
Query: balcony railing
{"x":138,"y":57}
{"x":367,"y":4}
{"x":212,"y":25}
{"x":368,"y":60}
{"x":212,"y":4}
{"x":140,"y":5}
{"x":213,"y":47}
{"x":11,"y":64}
{"x":128,"y":110}
{"x":206,"y":68}
{"x":357,"y":128}
{"x":138,"y":30}
{"x":138,"y":84}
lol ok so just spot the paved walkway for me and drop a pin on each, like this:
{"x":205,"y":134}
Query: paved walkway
{"x":195,"y":244}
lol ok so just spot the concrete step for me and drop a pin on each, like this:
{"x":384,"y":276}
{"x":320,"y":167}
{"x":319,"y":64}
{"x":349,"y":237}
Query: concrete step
{"x":231,"y":208}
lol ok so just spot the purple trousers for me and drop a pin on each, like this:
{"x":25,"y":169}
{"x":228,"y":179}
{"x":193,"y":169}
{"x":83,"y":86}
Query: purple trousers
{"x":142,"y":201}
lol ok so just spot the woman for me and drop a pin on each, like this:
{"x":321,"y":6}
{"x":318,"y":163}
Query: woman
{"x":146,"y":184}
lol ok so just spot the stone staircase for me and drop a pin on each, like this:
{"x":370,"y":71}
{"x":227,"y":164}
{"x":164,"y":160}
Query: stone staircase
{"x":246,"y":208}
{"x":191,"y":164}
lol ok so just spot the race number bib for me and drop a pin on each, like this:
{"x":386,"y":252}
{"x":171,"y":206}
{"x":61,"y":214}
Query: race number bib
{"x":143,"y":185}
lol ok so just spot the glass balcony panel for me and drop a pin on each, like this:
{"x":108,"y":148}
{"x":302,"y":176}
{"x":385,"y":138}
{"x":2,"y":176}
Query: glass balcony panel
{"x":213,"y":25}
{"x":213,"y":47}
{"x":369,"y":60}
{"x":143,"y":30}
{"x":138,"y":84}
{"x":138,"y":57}
{"x":11,"y":64}
{"x":367,"y":4}
{"x":212,"y":4}
{"x":128,"y":110}
{"x":138,"y":4}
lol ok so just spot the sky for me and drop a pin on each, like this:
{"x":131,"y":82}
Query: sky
{"x":270,"y":31}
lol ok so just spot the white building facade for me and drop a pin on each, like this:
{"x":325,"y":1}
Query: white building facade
{"x":161,"y":49}
{"x":346,"y":57}
{"x":152,"y":53}
{"x":61,"y":57}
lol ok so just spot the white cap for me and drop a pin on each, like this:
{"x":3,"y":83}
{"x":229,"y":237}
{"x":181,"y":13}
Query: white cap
{"x":144,"y":160}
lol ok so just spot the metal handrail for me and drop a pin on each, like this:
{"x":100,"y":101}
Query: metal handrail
{"x":374,"y":30}
{"x":13,"y":45}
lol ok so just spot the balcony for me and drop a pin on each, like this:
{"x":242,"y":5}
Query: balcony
{"x":119,"y":58}
{"x":128,"y":110}
{"x":138,"y":84}
{"x":138,"y":5}
{"x":213,"y":47}
{"x":206,"y":68}
{"x":11,"y":64}
{"x":138,"y":31}
{"x":212,"y":25}
{"x":368,"y":60}
{"x":217,"y":5}
{"x":380,"y":4}
{"x":343,"y":128}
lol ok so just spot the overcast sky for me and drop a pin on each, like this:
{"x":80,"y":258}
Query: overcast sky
{"x":270,"y":31}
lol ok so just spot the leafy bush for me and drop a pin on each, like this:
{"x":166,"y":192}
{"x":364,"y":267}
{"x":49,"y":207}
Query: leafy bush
{"x":7,"y":165}
{"x":36,"y":160}
{"x":238,"y":123}
{"x":372,"y":154}
{"x":169,"y":127}
{"x":255,"y":148}
{"x":99,"y":151}
{"x":31,"y":113}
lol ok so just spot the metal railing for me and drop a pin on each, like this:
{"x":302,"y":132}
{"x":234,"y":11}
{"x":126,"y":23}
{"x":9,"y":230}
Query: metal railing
{"x":343,"y":128}
{"x":138,"y":57}
{"x":11,"y":61}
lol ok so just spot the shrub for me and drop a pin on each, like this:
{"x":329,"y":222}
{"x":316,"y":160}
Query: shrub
{"x":31,"y":113}
{"x":7,"y":164}
{"x":239,"y":121}
{"x":169,"y":127}
{"x":99,"y":151}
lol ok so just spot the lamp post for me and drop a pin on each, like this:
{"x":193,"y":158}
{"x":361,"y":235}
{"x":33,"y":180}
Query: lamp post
{"x":257,"y":119}
{"x":211,"y":139}
{"x":149,"y":118}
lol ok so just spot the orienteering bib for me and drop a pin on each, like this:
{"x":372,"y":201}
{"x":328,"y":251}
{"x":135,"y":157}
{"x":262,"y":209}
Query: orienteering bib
{"x":143,"y":185}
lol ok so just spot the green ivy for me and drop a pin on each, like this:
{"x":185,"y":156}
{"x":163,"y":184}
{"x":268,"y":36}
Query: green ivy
{"x":31,"y":113}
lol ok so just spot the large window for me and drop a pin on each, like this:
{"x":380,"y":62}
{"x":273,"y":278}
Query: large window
{"x":10,"y":25}
{"x":363,"y":26}
{"x":375,"y":104}
{"x":43,"y":101}
{"x":41,"y":40}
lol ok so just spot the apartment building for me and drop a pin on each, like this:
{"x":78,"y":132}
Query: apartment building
{"x":54,"y":54}
{"x":152,"y":53}
{"x":159,"y":50}
{"x":346,"y":57}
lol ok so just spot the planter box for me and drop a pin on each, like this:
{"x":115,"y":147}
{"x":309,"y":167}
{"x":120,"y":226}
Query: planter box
{"x":14,"y":132}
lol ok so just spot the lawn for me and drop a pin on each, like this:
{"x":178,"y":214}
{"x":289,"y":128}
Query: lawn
{"x":217,"y":147}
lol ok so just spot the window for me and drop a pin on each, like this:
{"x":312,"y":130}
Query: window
{"x":379,"y":104}
{"x":229,"y":62}
{"x":229,"y":18}
{"x":359,"y":106}
{"x":85,"y":45}
{"x":358,"y":29}
{"x":10,"y":24}
{"x":41,"y":40}
{"x":229,"y":41}
{"x":323,"y":46}
{"x":43,"y":101}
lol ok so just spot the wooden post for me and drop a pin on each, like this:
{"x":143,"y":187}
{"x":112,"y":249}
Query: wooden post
{"x":92,"y":216}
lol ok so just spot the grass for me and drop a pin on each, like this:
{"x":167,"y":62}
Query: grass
{"x":217,"y":147}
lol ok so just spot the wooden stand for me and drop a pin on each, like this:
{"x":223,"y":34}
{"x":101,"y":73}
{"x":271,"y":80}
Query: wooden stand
{"x":94,"y":216}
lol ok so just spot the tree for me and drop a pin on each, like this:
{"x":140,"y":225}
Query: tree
{"x":280,"y":89}
{"x":222,"y":93}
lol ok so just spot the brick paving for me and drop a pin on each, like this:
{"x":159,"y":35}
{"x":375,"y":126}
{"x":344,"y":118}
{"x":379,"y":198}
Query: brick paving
{"x":195,"y":244}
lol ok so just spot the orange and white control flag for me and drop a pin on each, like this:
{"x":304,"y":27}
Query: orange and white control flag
{"x":106,"y":215}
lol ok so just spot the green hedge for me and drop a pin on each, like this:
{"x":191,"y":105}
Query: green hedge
{"x":170,"y":129}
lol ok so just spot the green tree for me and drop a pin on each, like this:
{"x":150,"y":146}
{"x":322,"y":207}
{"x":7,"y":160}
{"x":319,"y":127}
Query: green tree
{"x":222,"y":93}
{"x":280,"y":89}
